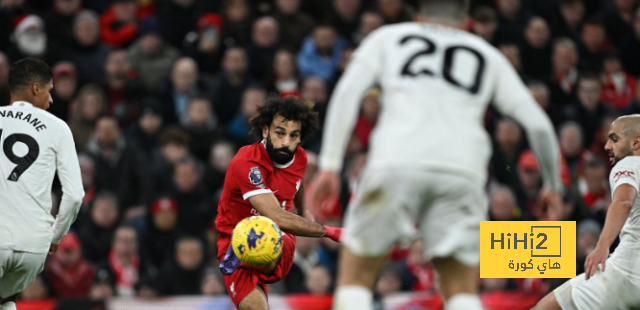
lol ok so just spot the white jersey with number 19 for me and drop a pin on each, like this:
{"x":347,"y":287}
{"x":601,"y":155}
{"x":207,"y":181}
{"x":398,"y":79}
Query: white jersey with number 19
{"x":33,"y":145}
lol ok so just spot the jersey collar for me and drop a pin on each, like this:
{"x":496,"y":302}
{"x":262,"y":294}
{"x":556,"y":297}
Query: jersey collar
{"x":287,"y":165}
{"x":22,"y":104}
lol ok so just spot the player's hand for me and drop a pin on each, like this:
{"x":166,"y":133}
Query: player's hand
{"x":598,"y":256}
{"x":325,"y":187}
{"x":53,"y":249}
{"x":333,"y":233}
{"x":551,"y":206}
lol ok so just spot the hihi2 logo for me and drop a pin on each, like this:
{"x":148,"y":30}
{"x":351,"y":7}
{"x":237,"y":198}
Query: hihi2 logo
{"x":527,"y":249}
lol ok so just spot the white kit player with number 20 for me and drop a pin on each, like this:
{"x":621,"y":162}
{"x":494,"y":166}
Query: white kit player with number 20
{"x":429,"y":152}
{"x":34,"y":144}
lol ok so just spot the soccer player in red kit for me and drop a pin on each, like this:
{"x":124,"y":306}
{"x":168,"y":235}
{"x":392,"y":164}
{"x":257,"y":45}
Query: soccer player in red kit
{"x":265,"y":178}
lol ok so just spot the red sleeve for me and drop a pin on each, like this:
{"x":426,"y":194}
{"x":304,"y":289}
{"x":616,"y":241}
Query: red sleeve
{"x":115,"y":37}
{"x":250,"y":178}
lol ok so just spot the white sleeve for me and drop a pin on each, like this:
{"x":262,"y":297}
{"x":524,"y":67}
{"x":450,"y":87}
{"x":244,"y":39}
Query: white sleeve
{"x":624,"y":174}
{"x":71,"y":179}
{"x":513,"y":99}
{"x":360,"y":75}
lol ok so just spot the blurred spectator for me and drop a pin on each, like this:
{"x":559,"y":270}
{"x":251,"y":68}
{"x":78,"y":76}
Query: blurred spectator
{"x":9,"y":11}
{"x":594,"y":44}
{"x":395,"y":11}
{"x":601,"y":138}
{"x":31,"y":40}
{"x":221,"y":154}
{"x":102,"y":287}
{"x":634,"y":106}
{"x":89,"y":106}
{"x":162,"y":233}
{"x":121,"y":85}
{"x":536,"y":50}
{"x":420,"y":274}
{"x":573,"y":13}
{"x":319,"y":281}
{"x":502,"y":205}
{"x":485,"y":24}
{"x":320,"y":53}
{"x":619,"y":20}
{"x":96,"y":234}
{"x":174,"y":145}
{"x":70,"y":275}
{"x":146,"y":289}
{"x":368,"y":116}
{"x":204,"y":44}
{"x":295,"y":25}
{"x":512,"y":52}
{"x":618,"y":87}
{"x":151,"y":56}
{"x":260,"y":52}
{"x":345,"y":57}
{"x":5,"y":94}
{"x":314,"y":89}
{"x":183,"y":84}
{"x":588,"y":111}
{"x":65,"y":81}
{"x":541,"y":94}
{"x":390,"y":281}
{"x":231,"y":83}
{"x":119,"y":24}
{"x":60,"y":21}
{"x":237,"y":18}
{"x":572,"y":148}
{"x":369,"y":22}
{"x":565,"y":72}
{"x":239,"y":128}
{"x":595,"y":191}
{"x":88,"y":173}
{"x":284,"y":76}
{"x":305,"y":258}
{"x":344,"y":17}
{"x":212,"y":284}
{"x":38,"y":290}
{"x":86,"y":51}
{"x":201,"y":125}
{"x":146,"y":132}
{"x":630,"y":47}
{"x":588,"y":234}
{"x":177,"y":18}
{"x":119,"y":166}
{"x":508,"y":139}
{"x":513,"y":17}
{"x":187,"y":270}
{"x":195,"y":209}
{"x":494,"y":284}
{"x":124,"y":262}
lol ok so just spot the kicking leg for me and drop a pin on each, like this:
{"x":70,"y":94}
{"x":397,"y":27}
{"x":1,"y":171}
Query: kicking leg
{"x":356,"y":277}
{"x":458,"y":284}
{"x":256,"y":300}
{"x":549,"y":302}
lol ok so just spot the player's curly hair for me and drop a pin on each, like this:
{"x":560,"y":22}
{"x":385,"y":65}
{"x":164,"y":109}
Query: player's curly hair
{"x":292,"y":109}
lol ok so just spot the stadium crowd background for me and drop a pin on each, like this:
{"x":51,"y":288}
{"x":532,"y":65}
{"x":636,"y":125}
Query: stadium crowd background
{"x":158,"y":95}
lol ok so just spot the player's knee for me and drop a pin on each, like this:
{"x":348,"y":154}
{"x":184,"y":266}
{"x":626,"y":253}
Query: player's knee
{"x":252,"y":306}
{"x":547,"y":303}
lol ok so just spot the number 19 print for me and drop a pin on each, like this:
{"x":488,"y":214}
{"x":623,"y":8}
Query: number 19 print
{"x":527,"y":249}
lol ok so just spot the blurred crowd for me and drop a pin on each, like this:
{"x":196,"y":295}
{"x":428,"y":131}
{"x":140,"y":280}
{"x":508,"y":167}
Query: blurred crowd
{"x":158,"y":94}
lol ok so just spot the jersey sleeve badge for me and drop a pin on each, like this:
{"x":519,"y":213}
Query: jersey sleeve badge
{"x":255,"y":177}
{"x":622,"y":175}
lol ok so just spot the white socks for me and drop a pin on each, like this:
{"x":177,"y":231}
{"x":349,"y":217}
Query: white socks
{"x":352,"y":297}
{"x":8,"y":306}
{"x":463,"y":302}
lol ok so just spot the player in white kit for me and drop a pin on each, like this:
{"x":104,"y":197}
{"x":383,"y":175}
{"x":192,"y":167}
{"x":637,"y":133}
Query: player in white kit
{"x":612,"y":282}
{"x":429,"y":151}
{"x":33,"y":145}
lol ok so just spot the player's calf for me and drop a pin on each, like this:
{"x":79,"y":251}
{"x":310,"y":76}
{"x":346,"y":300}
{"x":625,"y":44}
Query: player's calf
{"x":256,"y":300}
{"x":458,"y":284}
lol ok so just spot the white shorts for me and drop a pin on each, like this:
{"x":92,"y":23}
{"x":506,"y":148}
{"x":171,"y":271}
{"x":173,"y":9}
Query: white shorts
{"x":611,"y":290}
{"x":392,"y":205}
{"x":18,"y":270}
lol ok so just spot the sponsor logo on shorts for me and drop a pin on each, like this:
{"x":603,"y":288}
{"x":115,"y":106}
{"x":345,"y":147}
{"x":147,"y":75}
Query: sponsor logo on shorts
{"x":535,"y":249}
{"x":232,"y":288}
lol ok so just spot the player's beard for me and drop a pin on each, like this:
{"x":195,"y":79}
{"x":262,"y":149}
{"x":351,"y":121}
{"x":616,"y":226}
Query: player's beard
{"x":276,"y":155}
{"x":618,"y":157}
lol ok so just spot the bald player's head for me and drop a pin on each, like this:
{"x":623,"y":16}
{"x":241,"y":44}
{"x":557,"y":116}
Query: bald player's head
{"x":624,"y":138}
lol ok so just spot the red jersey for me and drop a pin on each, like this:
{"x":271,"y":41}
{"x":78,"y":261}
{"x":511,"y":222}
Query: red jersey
{"x":251,"y":172}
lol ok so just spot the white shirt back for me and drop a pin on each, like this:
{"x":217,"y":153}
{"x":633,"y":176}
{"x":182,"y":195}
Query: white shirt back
{"x":627,"y":171}
{"x":436,"y":85}
{"x":33,"y":144}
